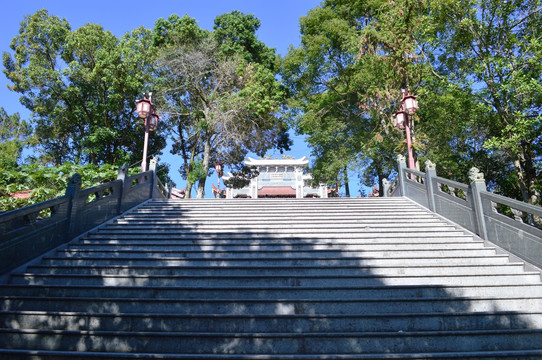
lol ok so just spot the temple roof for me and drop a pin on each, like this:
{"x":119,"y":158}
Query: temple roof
{"x":304,"y":161}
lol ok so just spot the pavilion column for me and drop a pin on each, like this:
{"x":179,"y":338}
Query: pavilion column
{"x":323,"y":191}
{"x":299,"y":183}
{"x":254,"y":188}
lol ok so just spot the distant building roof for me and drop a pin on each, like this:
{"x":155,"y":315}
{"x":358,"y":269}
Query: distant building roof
{"x":304,"y":161}
{"x":25,"y":194}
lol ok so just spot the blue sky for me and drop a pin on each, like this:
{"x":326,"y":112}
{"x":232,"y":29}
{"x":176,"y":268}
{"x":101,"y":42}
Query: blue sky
{"x":279,"y":29}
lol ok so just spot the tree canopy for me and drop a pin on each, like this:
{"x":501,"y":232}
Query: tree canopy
{"x":474,"y":64}
{"x":81,"y":88}
{"x":219,"y":91}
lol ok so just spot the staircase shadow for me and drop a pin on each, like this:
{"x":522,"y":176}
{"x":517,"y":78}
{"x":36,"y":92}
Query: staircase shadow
{"x":274,"y":293}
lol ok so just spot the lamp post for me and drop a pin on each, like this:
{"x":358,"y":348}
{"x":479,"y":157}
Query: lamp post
{"x":219,"y":172}
{"x":408,"y":107}
{"x":145,"y":109}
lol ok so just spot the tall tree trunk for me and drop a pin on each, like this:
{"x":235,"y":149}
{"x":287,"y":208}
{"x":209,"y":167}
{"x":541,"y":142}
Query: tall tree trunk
{"x":346,"y":185}
{"x":206,"y":158}
{"x":523,"y":187}
{"x":380,"y":184}
{"x":530,"y":174}
{"x":188,"y":162}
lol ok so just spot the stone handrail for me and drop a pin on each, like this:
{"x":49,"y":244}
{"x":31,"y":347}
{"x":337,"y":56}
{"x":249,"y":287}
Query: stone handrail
{"x":510,"y":224}
{"x":33,"y":230}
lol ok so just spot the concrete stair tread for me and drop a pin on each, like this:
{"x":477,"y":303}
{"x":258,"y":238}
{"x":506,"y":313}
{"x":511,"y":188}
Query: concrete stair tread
{"x":269,"y":267}
{"x":291,"y":246}
{"x":502,"y":354}
{"x":270,"y":240}
{"x":276,"y":292}
{"x":442,"y":248}
{"x":262,"y":276}
{"x":279,"y":334}
{"x":267,"y":316}
{"x":317,"y":260}
{"x":262,"y":343}
{"x":536,"y":300}
{"x":244,"y":323}
{"x":510,"y":354}
{"x":234,"y":236}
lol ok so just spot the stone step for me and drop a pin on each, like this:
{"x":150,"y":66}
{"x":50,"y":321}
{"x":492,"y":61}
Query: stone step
{"x":269,"y":306}
{"x":361,"y":279}
{"x":278,"y":216}
{"x":289,"y":221}
{"x":283,"y":203}
{"x":277,"y":343}
{"x":320,"y":213}
{"x":275,"y":259}
{"x":243,"y":240}
{"x":279,"y":247}
{"x":328,"y":292}
{"x":345,"y":233}
{"x":292,"y":208}
{"x":407,"y":270}
{"x":300,"y":323}
{"x":285,"y":237}
{"x":13,"y":354}
{"x":293,"y":226}
{"x":224,"y":254}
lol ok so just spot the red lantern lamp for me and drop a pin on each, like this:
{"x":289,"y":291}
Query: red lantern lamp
{"x":144,"y":107}
{"x":153,"y":121}
{"x":410,"y":104}
{"x":400,"y":119}
{"x":218,"y":168}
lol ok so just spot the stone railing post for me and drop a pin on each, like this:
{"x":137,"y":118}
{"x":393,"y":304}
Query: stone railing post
{"x":123,"y":173}
{"x":401,"y":165}
{"x":229,"y":192}
{"x":254,"y":188}
{"x":430,"y":173}
{"x":169,"y":187}
{"x":323,"y":191}
{"x":478,"y":185}
{"x":72,"y":190}
{"x":385,"y":187}
{"x":152,"y":167}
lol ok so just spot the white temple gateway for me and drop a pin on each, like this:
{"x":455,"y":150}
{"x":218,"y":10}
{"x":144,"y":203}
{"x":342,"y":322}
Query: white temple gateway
{"x":279,"y":178}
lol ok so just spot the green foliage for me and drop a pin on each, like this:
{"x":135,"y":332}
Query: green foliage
{"x":236,"y":34}
{"x":197,"y":173}
{"x":175,"y":31}
{"x":345,"y":80}
{"x":475,"y":64}
{"x":81,"y":88}
{"x":494,"y":49}
{"x":14,"y":136}
{"x":241,"y":178}
{"x":219,"y":92}
{"x":48,"y":182}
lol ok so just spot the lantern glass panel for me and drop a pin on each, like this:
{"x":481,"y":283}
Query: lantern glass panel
{"x":143,"y":108}
{"x":400,"y":118}
{"x":153,"y":122}
{"x":411,"y":104}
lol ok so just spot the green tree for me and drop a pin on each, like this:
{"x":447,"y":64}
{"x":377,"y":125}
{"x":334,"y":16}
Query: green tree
{"x":494,"y":48}
{"x":81,"y":88}
{"x":220,"y":100}
{"x":346,"y":77}
{"x":14,"y":136}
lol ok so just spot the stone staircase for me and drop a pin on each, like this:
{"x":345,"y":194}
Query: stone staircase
{"x":377,"y":278}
